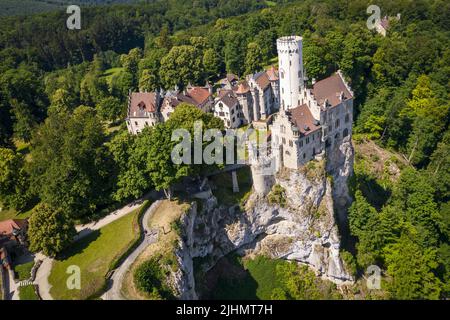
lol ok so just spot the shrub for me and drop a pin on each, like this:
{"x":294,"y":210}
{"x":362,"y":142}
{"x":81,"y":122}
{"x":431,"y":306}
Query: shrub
{"x":149,"y":277}
{"x":349,"y":261}
{"x":277,"y":196}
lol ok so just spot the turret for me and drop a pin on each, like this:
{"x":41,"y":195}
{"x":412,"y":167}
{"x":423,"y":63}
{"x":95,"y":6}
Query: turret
{"x":290,"y":60}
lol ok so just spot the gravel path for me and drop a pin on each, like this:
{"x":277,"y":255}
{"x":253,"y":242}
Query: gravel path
{"x":150,"y":236}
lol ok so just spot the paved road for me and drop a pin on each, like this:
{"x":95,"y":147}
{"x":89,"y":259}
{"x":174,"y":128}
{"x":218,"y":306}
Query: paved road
{"x":150,"y":236}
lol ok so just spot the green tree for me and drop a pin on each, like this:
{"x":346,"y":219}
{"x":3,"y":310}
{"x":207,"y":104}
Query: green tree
{"x":71,"y":167}
{"x":412,"y":270}
{"x":149,"y":69}
{"x":131,"y":163}
{"x":253,"y":59}
{"x":110,"y":109}
{"x":211,"y":63}
{"x":234,"y":55}
{"x":13,"y":180}
{"x":180,"y":66}
{"x":50,"y":230}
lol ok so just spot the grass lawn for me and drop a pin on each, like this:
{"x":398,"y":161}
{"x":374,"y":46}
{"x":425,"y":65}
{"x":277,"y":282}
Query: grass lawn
{"x":110,"y":73}
{"x":224,"y":187}
{"x":23,"y":271}
{"x":6,"y":214}
{"x":27,"y":293}
{"x":94,"y":254}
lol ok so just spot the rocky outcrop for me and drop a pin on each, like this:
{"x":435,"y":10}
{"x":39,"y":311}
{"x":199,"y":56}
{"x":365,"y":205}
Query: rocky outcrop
{"x":302,"y":227}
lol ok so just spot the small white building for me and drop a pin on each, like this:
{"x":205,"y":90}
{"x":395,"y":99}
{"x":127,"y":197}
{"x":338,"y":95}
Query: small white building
{"x":142,"y":111}
{"x":228,"y":109}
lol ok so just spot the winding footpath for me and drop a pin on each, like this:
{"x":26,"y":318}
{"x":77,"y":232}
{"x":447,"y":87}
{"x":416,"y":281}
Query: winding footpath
{"x":45,"y":268}
{"x":150,"y":236}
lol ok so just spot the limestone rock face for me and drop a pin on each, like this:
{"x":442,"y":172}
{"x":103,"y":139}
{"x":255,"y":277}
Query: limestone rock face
{"x":303,"y":229}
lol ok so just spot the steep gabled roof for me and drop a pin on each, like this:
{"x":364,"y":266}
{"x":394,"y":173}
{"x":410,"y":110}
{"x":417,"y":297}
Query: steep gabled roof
{"x":261,"y":79}
{"x":302,"y":118}
{"x":228,"y":98}
{"x":330,"y":89}
{"x":142,"y":103}
{"x":242,"y":87}
{"x":198,"y":94}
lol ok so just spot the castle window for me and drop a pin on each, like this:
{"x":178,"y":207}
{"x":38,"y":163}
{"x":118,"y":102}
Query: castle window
{"x":301,"y":143}
{"x":347,"y":118}
{"x":336,"y":136}
{"x":345,"y":133}
{"x":304,"y":155}
{"x":307,"y":140}
{"x":291,"y":144}
{"x":282,"y":74}
{"x":283,"y":140}
{"x":314,"y":151}
{"x":146,"y":123}
{"x":337,"y":123}
{"x":287,"y":152}
{"x":283,"y":129}
{"x":299,"y":74}
{"x":136,"y":123}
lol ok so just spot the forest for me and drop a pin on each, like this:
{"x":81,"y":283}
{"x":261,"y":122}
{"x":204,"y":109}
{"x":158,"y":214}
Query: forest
{"x":57,"y":86}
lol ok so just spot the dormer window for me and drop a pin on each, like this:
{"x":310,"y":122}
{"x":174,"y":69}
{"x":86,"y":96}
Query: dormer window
{"x":141,"y":105}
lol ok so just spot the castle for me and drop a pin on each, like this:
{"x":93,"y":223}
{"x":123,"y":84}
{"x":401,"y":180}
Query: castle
{"x":304,"y":120}
{"x":311,"y":120}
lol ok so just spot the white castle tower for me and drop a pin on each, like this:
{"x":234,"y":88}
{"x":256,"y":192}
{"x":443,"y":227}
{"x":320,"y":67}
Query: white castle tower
{"x":290,"y":61}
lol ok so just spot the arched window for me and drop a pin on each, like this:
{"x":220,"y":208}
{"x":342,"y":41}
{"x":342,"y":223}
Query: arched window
{"x":336,"y":136}
{"x":345,"y":133}
{"x":347,"y":118}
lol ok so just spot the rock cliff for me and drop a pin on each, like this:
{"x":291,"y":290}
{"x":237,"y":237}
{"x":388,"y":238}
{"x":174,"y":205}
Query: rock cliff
{"x":298,"y":221}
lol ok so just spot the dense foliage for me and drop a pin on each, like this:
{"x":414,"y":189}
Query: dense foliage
{"x":60,"y":88}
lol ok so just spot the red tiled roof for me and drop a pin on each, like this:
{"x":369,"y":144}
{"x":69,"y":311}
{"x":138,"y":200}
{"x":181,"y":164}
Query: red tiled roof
{"x":262,"y":80}
{"x":198,"y":94}
{"x":302,"y":118}
{"x":242,"y":88}
{"x":8,"y":226}
{"x":330,"y":88}
{"x":142,"y":102}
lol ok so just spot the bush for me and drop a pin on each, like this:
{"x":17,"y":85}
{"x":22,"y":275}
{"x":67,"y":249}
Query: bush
{"x":349,"y":261}
{"x":149,"y":277}
{"x":277,"y":196}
